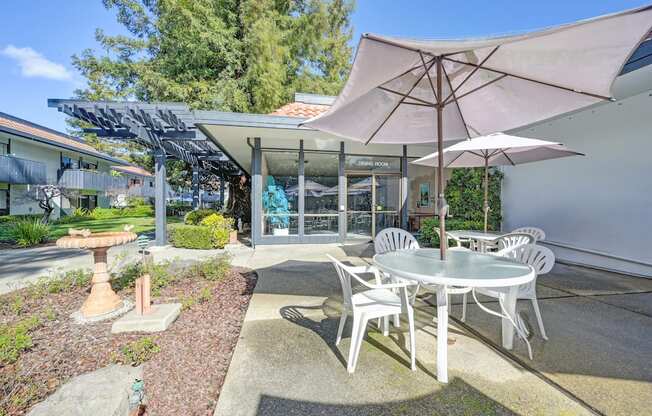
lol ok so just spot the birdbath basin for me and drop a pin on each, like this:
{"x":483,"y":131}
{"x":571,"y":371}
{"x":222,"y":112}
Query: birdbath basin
{"x":102,"y":300}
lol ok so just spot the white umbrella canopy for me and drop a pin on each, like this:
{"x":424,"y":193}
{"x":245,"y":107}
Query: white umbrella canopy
{"x":497,"y":149}
{"x":421,"y":91}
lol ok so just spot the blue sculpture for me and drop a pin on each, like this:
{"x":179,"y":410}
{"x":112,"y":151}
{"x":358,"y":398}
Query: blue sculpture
{"x":275,"y":204}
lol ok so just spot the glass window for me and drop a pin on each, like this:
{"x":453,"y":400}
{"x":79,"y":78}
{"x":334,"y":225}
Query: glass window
{"x":422,"y":195}
{"x":69,"y":163}
{"x":321,"y":193}
{"x":280,"y":177}
{"x":88,"y":165}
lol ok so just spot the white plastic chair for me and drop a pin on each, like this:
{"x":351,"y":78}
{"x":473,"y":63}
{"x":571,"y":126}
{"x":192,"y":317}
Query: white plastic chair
{"x":537,"y":233}
{"x":393,"y":239}
{"x":542,"y":259}
{"x":377,"y":302}
{"x":507,"y":242}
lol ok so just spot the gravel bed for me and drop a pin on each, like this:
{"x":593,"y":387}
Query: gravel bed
{"x":184,"y":378}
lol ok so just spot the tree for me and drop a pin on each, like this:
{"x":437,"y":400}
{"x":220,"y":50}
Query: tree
{"x":231,"y":55}
{"x":465,"y":195}
{"x":45,"y":195}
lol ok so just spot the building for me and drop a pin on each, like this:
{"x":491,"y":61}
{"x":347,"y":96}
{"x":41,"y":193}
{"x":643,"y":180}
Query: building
{"x":32,"y":155}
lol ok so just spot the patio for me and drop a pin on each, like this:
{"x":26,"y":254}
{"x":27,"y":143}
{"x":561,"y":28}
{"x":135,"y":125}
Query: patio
{"x":597,"y":359}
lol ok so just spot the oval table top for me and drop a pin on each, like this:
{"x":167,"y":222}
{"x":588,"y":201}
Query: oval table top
{"x":474,"y":235}
{"x":461,"y":268}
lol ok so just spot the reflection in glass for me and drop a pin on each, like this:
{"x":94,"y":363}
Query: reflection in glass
{"x":320,"y":186}
{"x":388,"y":194}
{"x":359,"y":204}
{"x":280,"y":171}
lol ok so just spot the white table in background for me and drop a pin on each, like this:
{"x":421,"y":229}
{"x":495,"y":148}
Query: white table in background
{"x":480,"y":236}
{"x":461,"y":268}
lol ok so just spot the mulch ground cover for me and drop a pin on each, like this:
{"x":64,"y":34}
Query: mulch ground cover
{"x":183,"y":378}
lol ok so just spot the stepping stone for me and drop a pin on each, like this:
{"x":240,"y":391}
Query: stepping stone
{"x":159,"y":319}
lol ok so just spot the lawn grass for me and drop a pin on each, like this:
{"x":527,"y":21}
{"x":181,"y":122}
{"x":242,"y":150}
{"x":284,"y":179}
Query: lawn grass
{"x":141,"y":225}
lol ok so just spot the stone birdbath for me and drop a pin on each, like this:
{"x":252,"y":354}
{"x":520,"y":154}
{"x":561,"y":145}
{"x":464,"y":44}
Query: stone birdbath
{"x":102,"y":300}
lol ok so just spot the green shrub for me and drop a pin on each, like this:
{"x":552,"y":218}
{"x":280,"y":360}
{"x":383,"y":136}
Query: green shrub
{"x":191,"y":236}
{"x":27,"y":233}
{"x":195,"y":217}
{"x":14,"y":339}
{"x":221,"y":228}
{"x":138,"y":211}
{"x":428,"y":235}
{"x":105,"y":213}
{"x":137,"y":352}
{"x":60,"y":282}
{"x":213,"y":269}
{"x":465,"y":195}
{"x":161,"y":275}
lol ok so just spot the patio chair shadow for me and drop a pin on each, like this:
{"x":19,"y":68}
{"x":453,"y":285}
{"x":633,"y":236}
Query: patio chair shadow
{"x":327,"y":328}
{"x":455,"y":398}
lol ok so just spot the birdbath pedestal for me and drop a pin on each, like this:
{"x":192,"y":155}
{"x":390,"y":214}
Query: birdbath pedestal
{"x":102,"y":299}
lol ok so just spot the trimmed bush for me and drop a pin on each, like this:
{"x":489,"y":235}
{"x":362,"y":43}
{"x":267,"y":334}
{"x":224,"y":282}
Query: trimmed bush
{"x":191,"y":236}
{"x":195,"y":217}
{"x":428,"y":235}
{"x":221,"y":228}
{"x":28,"y":233}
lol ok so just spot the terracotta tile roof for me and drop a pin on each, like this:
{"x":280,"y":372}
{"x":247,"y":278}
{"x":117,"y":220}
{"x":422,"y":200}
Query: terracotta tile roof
{"x":134,"y":170}
{"x":52,"y":136}
{"x":298,"y":109}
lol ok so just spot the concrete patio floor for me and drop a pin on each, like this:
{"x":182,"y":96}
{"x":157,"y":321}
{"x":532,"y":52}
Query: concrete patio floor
{"x":598,"y":359}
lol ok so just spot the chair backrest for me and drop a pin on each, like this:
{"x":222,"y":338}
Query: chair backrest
{"x":511,"y":240}
{"x":537,"y":233}
{"x":542,"y":259}
{"x":344,"y":274}
{"x":393,"y":239}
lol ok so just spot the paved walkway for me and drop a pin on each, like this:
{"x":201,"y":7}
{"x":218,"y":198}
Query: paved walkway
{"x":19,"y":267}
{"x":598,"y":359}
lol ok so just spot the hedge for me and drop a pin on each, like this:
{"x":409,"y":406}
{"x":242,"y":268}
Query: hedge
{"x":191,"y":236}
{"x":428,"y":237}
{"x":196,"y":216}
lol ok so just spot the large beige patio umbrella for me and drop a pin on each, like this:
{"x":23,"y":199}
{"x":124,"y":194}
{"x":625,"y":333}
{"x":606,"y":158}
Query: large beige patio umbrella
{"x":497,"y":149}
{"x":409,"y":91}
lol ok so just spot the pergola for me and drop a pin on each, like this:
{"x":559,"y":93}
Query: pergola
{"x":167,"y":129}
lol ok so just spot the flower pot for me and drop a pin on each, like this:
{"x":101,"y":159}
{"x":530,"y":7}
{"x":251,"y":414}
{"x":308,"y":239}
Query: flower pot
{"x":233,"y":237}
{"x":281,"y":231}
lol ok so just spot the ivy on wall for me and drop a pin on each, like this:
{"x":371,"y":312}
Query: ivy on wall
{"x":465,"y":195}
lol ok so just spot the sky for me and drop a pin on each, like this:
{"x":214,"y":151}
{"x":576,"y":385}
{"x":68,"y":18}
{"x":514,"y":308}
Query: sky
{"x":38,"y":37}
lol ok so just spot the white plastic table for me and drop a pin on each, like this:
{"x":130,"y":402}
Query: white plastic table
{"x":480,"y":236}
{"x":461,"y":268}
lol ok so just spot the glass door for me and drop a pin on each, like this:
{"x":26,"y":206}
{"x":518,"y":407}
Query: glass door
{"x":387,"y":190}
{"x":359,"y":206}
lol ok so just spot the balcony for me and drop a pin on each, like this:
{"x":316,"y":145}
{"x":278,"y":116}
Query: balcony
{"x":91,"y":180}
{"x":15,"y":170}
{"x":144,"y":191}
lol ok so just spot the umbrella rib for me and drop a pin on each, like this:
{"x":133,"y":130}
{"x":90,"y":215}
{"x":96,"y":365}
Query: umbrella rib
{"x":409,"y":96}
{"x":532,"y":80}
{"x":399,"y":103}
{"x":432,"y":87}
{"x":452,"y":94}
{"x":459,"y":110}
{"x":480,"y":87}
{"x":406,"y":72}
{"x":454,"y":159}
{"x":508,"y":158}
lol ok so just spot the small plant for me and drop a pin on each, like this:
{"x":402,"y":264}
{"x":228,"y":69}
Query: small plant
{"x":28,"y":233}
{"x":195,"y":217}
{"x":17,"y":305}
{"x":16,"y":338}
{"x":187,"y":302}
{"x":137,"y":352}
{"x":205,"y":295}
{"x":60,"y":282}
{"x":50,"y":314}
{"x":213,"y":269}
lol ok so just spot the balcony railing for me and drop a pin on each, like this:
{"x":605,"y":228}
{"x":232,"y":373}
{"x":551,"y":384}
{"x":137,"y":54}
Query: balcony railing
{"x":91,"y":180}
{"x":22,"y":171}
{"x":144,"y":191}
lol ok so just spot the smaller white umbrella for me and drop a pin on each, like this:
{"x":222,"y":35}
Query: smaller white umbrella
{"x":497,"y":149}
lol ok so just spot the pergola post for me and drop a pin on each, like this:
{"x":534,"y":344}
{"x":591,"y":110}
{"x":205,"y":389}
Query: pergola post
{"x":195,"y":186}
{"x":160,"y":192}
{"x":222,"y":192}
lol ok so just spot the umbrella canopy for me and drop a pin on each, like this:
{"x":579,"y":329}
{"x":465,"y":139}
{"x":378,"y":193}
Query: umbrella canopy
{"x":497,"y":149}
{"x":420,"y":91}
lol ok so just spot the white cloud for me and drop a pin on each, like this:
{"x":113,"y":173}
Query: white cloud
{"x":33,"y":64}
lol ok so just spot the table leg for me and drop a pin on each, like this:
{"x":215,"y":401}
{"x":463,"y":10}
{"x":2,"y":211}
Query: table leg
{"x":510,"y":306}
{"x":442,"y":334}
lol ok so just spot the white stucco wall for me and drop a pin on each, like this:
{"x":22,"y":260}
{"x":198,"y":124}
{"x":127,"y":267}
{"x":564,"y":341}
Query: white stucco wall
{"x":599,"y":203}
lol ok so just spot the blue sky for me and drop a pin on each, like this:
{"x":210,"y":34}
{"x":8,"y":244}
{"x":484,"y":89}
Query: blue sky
{"x":38,"y":37}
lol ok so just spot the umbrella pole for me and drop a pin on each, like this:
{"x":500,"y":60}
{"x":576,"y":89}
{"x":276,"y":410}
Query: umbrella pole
{"x":485,"y":206}
{"x":441,"y":201}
